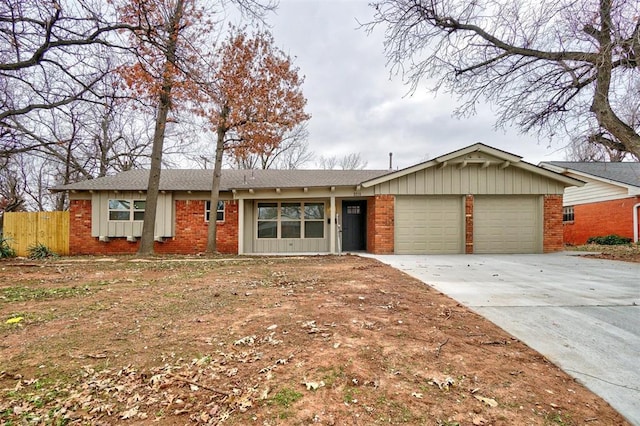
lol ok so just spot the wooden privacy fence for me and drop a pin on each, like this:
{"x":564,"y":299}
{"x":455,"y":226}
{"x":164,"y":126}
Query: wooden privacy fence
{"x":25,"y":229}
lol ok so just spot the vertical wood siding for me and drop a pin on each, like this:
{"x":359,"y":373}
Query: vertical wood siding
{"x":472,"y":179}
{"x":26,"y":229}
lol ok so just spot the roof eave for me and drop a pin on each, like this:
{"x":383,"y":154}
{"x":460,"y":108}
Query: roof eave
{"x":633,"y":189}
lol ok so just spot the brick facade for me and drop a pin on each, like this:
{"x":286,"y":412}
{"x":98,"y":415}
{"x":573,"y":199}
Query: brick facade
{"x":552,"y":224}
{"x":598,"y":219}
{"x":468,"y":221}
{"x":190,"y":233}
{"x":380,"y":224}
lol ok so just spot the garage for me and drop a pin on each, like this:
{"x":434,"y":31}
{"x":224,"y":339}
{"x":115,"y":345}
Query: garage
{"x":429,"y":225}
{"x":507,"y":224}
{"x":475,"y":200}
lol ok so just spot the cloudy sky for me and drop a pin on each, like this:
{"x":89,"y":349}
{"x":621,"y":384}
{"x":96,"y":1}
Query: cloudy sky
{"x":357,"y":107}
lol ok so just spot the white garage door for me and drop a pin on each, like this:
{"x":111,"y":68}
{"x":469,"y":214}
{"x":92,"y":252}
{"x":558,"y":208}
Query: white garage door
{"x":428,"y":225}
{"x":507,"y":224}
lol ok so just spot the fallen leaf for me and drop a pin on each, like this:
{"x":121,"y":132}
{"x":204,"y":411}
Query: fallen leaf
{"x":314,"y":385}
{"x":130,"y":413}
{"x":489,"y":401}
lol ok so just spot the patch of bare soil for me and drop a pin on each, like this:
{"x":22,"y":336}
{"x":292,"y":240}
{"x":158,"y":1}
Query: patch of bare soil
{"x":327,"y":340}
{"x":625,"y":253}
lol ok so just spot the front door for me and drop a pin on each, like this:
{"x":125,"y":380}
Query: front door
{"x":354,"y":225}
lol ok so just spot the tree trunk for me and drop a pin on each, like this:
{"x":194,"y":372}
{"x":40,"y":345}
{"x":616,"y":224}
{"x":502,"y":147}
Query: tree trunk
{"x":164,"y":105}
{"x":215,"y":188}
{"x":153,"y":185}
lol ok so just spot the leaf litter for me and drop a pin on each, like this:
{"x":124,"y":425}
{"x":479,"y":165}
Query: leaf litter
{"x":353,"y":340}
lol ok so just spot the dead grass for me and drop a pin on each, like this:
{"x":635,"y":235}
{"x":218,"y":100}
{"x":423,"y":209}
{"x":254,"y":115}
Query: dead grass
{"x":327,"y":340}
{"x":625,"y":253}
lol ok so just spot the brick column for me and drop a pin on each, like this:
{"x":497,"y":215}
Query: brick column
{"x":553,"y":239}
{"x":468,"y":224}
{"x":380,"y":224}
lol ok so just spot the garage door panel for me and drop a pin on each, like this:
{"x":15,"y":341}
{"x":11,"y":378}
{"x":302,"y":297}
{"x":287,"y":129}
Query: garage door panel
{"x":428,"y":225}
{"x":507,"y":224}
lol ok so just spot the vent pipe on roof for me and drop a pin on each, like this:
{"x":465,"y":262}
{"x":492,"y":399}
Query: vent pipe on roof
{"x":390,"y":161}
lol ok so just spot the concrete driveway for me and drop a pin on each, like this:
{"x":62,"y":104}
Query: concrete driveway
{"x":582,"y":314}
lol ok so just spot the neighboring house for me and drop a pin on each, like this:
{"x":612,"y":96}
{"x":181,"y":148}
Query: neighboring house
{"x":475,"y":200}
{"x":608,"y":203}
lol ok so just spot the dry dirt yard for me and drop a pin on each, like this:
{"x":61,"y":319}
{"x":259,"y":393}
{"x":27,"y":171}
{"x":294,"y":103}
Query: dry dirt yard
{"x":262,"y":341}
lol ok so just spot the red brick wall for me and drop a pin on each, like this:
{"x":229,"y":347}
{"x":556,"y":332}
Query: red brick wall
{"x":552,"y":222}
{"x":468,"y":222}
{"x":603,"y":218}
{"x":190,"y":238}
{"x":380,"y":224}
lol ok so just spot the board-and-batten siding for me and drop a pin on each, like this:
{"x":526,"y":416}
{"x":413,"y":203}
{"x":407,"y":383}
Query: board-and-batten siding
{"x":592,"y":192}
{"x":471,"y":179}
{"x":102,"y":226}
{"x":253,"y":244}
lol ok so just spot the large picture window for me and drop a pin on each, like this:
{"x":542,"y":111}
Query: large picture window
{"x":219,"y":211}
{"x":126,"y":210}
{"x":290,"y":220}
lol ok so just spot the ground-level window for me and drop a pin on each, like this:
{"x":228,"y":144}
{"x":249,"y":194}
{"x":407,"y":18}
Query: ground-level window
{"x":126,"y":210}
{"x":219,"y":211}
{"x":291,"y":220}
{"x":567,"y":214}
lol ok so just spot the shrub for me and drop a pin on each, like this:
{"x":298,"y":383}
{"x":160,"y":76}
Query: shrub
{"x":40,"y":251}
{"x":609,"y":240}
{"x":5,"y":249}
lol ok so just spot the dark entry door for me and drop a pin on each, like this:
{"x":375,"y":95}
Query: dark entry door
{"x":354,"y":225}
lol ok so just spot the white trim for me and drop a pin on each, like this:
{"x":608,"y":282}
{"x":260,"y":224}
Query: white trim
{"x":332,"y":225}
{"x":240,"y":226}
{"x":636,"y":207}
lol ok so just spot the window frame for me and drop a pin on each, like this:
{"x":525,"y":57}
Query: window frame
{"x":220,"y":213}
{"x":568,"y":214}
{"x":302,"y":218}
{"x":132,"y":210}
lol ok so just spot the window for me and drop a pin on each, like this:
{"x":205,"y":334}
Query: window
{"x":219,"y":211}
{"x":291,"y":220}
{"x":126,"y":210}
{"x":353,"y":209}
{"x":267,"y":220}
{"x":314,"y":220}
{"x":567,"y":214}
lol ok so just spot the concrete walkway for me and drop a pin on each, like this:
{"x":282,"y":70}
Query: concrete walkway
{"x":582,"y":314}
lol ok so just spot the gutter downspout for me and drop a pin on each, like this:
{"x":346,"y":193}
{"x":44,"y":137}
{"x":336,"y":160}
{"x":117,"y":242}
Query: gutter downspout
{"x":635,"y":222}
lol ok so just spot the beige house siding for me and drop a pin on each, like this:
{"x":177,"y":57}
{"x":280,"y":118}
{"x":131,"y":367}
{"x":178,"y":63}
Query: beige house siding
{"x":102,"y":226}
{"x":470,"y":179}
{"x":592,"y":192}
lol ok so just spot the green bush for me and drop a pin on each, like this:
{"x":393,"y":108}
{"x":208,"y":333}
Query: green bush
{"x":40,"y":251}
{"x":609,"y":240}
{"x":5,"y":249}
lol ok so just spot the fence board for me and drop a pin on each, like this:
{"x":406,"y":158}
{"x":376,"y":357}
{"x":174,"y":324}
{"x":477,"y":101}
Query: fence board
{"x":25,"y":229}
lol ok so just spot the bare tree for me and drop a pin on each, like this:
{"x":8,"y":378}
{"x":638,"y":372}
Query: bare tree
{"x":48,"y":52}
{"x":548,"y":65}
{"x":353,"y":161}
{"x":581,"y":150}
{"x":291,"y":153}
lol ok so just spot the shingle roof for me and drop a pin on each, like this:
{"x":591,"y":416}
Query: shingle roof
{"x":200,"y":180}
{"x":625,"y":172}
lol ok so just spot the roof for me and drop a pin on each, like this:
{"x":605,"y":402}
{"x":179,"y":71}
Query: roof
{"x":465,"y":155}
{"x":627,"y":173}
{"x":200,"y":180}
